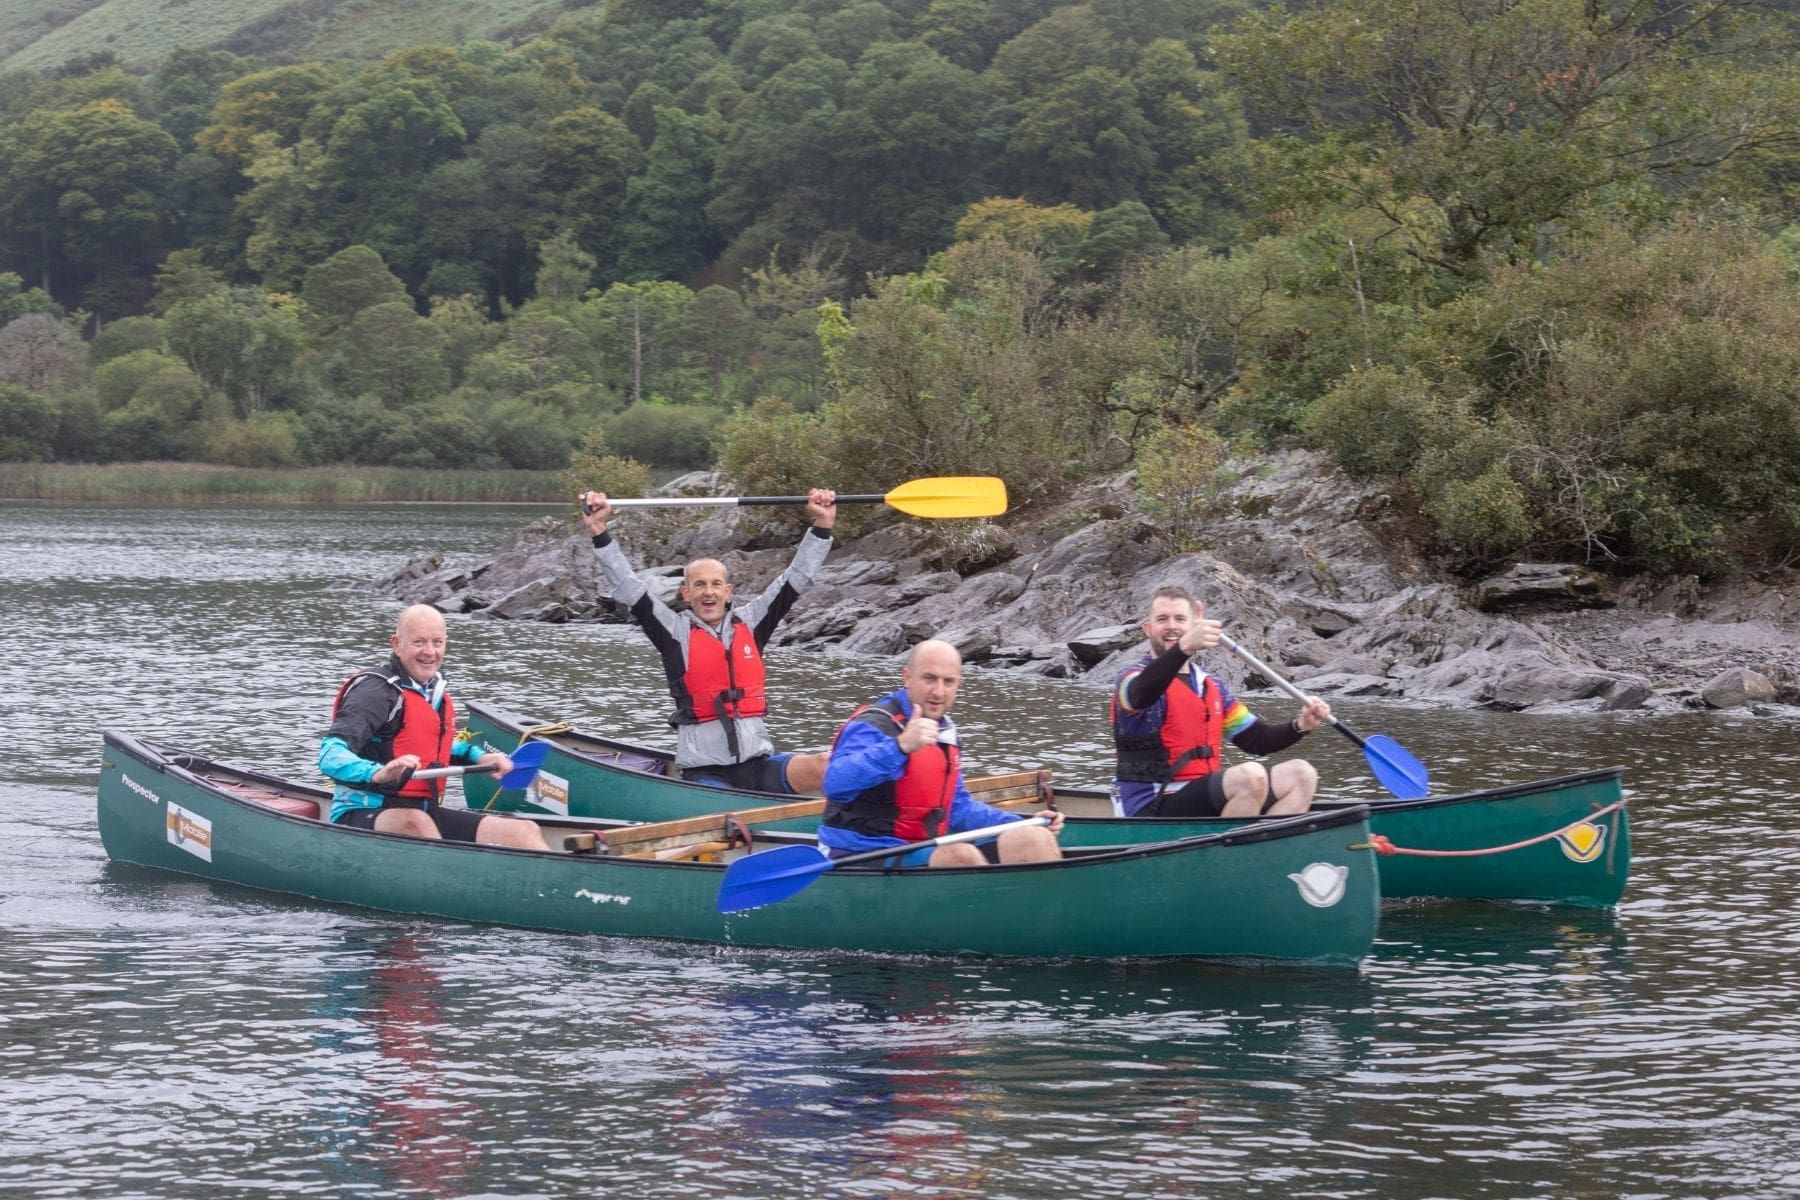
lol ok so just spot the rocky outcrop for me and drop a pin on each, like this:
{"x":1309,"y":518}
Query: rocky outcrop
{"x":1306,"y":570}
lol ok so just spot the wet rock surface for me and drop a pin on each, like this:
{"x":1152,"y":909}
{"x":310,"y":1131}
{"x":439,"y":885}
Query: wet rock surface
{"x":1308,"y":570}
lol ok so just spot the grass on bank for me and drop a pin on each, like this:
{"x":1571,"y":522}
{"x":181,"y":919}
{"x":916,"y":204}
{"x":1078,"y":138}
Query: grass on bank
{"x":198,"y":483}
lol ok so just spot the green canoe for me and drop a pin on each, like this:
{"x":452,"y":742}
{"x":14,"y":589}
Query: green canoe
{"x":1449,"y":847}
{"x":1289,"y":892}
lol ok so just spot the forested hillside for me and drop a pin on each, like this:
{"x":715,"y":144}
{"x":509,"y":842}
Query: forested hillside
{"x":1534,"y":261}
{"x":40,"y":35}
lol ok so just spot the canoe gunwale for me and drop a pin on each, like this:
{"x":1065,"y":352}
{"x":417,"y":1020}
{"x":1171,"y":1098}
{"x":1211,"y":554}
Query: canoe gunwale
{"x":518,"y":725}
{"x":186,"y":765}
{"x":1377,"y":807}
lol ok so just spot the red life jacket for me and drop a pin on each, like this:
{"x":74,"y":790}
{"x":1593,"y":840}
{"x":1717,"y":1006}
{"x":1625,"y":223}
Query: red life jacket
{"x":913,"y":807}
{"x":424,"y":730}
{"x":1187,"y":741}
{"x":719,"y":684}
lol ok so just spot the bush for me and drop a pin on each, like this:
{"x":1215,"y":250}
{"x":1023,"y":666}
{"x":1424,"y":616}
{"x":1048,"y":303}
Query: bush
{"x":424,"y":436}
{"x":1183,"y":482}
{"x":528,"y":436}
{"x":262,"y":440}
{"x":140,"y":432}
{"x":1374,"y":422}
{"x":27,"y":425}
{"x":1487,"y":516}
{"x":344,"y":429}
{"x":594,"y":469}
{"x":125,"y":336}
{"x":78,"y":427}
{"x":666,"y":435}
{"x":771,"y":450}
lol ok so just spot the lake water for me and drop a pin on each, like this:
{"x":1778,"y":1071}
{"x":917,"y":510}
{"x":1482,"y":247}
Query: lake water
{"x":164,"y":1037}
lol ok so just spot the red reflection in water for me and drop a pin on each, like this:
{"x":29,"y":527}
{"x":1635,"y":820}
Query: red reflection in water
{"x":415,"y":1117}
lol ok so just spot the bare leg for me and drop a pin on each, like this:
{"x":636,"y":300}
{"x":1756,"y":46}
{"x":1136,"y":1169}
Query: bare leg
{"x":409,"y":821}
{"x":1295,"y":782}
{"x":1246,"y":787}
{"x":806,"y":773}
{"x":1033,"y":843}
{"x":509,"y":831}
{"x":958,"y":854}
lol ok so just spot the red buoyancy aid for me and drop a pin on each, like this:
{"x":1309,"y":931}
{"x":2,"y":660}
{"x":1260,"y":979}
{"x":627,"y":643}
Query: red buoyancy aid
{"x":914,"y":806}
{"x":721,"y":684}
{"x":1187,"y":743}
{"x":427,"y":731}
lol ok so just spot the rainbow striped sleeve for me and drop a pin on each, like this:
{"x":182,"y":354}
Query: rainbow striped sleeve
{"x":1237,"y":718}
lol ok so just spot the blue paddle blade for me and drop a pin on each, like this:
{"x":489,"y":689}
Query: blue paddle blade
{"x":526,"y":761}
{"x":770,"y":875}
{"x":1397,"y":770}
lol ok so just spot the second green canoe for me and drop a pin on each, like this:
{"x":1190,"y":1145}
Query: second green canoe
{"x":1561,"y":840}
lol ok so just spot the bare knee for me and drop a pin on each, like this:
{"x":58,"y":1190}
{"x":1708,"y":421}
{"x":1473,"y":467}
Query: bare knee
{"x":410,"y":822}
{"x":509,"y":831}
{"x":1296,"y":782}
{"x":959,"y":854}
{"x":1246,"y":787}
{"x":1031,"y":844}
{"x":806,"y":773}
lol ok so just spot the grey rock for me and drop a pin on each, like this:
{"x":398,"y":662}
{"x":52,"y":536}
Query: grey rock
{"x":1542,"y":586}
{"x":1094,"y":645}
{"x":1737,"y":688}
{"x":1311,"y":571}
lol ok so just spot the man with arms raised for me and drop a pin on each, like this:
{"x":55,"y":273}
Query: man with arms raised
{"x":1170,"y":718}
{"x":712,"y":654}
{"x":390,"y":721}
{"x":895,"y":776}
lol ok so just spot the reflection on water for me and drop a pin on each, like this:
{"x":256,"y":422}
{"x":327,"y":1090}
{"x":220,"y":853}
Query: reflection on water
{"x":165,"y":1037}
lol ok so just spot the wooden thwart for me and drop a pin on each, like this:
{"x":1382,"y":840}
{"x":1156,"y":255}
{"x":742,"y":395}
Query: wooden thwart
{"x":711,"y":833}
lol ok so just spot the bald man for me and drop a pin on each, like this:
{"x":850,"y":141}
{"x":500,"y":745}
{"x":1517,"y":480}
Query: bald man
{"x":895,"y":776}
{"x":391,"y":720}
{"x":712,"y":655}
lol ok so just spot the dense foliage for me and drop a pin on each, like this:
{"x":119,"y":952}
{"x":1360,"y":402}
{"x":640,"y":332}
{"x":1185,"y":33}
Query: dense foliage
{"x":1534,"y":260}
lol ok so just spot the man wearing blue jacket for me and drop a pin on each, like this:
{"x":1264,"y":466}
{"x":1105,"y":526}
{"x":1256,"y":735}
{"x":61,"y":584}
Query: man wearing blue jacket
{"x":895,"y":776}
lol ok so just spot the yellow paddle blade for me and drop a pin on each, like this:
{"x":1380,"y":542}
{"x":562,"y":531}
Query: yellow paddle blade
{"x":950,"y":496}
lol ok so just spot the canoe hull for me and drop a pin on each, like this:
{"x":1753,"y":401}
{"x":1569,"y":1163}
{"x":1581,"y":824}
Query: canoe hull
{"x":597,"y":777}
{"x":1240,"y":897}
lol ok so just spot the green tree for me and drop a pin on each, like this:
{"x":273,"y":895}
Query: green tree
{"x":543,"y":359}
{"x":85,"y":188}
{"x":349,"y":281}
{"x":187,"y":84}
{"x":589,"y":155}
{"x":1462,"y":129}
{"x":265,"y":110}
{"x":27,"y":424}
{"x":663,"y":230}
{"x":392,"y":352}
{"x":638,"y":329}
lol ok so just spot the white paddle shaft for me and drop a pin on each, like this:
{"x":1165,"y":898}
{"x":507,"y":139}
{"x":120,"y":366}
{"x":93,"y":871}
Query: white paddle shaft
{"x":1264,"y":670}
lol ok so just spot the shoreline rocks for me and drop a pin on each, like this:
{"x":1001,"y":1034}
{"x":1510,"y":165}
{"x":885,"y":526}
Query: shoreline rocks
{"x":1307,"y":571}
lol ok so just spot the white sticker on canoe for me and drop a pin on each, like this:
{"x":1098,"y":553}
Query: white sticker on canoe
{"x":600,"y":897}
{"x":549,"y":791}
{"x":1321,"y":884}
{"x":191,"y":831}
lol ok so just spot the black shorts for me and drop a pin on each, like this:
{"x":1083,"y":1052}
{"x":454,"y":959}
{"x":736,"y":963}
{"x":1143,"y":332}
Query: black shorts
{"x":453,"y":824}
{"x":1202,"y":797}
{"x":765,"y":774}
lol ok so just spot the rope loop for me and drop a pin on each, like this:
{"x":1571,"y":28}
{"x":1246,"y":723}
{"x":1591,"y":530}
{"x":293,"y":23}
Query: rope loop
{"x":1381,"y":845}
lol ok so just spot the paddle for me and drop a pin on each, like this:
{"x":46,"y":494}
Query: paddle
{"x":1398,"y":771}
{"x":771,"y":875}
{"x":946,"y":496}
{"x":526,"y":760}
